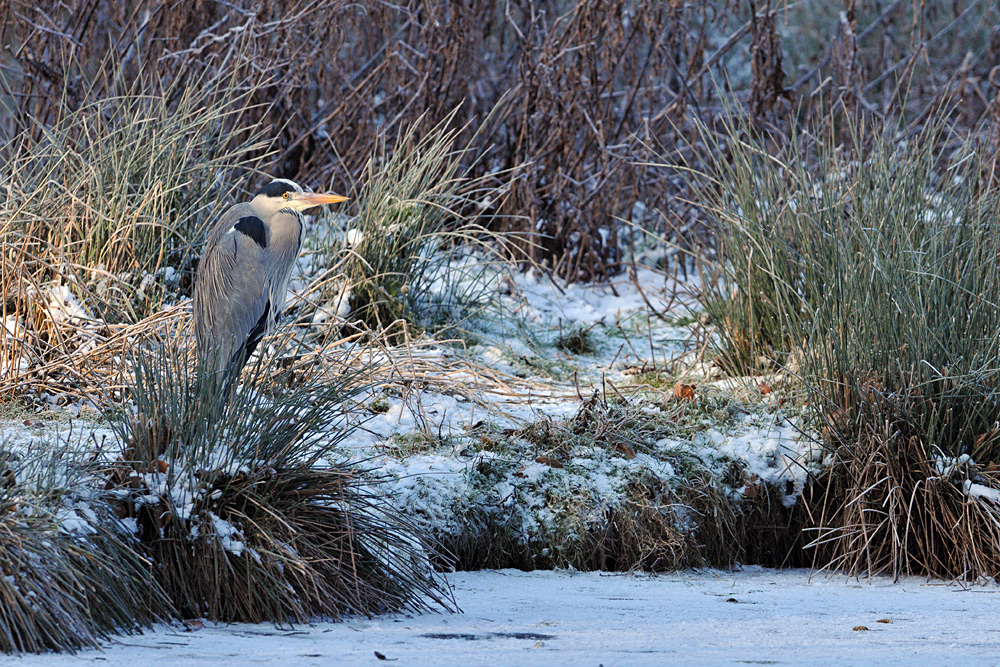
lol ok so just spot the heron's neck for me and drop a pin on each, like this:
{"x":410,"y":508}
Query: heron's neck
{"x":286,"y":233}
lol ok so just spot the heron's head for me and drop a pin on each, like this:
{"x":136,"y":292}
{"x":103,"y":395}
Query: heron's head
{"x":282,"y":193}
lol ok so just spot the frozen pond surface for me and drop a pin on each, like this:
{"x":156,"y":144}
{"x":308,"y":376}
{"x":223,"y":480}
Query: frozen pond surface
{"x":755,"y":616}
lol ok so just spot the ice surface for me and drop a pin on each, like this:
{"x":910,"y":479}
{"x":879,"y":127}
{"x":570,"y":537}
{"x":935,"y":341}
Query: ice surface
{"x":755,"y":616}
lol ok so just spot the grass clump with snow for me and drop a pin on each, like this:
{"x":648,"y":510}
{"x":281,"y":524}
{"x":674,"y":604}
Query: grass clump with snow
{"x":872,"y":274}
{"x":417,"y":260}
{"x":243,"y":509}
{"x":72,"y":574}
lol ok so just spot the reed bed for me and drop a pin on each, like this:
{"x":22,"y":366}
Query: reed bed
{"x":868,"y":270}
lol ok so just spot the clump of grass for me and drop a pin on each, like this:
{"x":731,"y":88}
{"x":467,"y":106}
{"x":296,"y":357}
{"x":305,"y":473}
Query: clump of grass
{"x":16,"y":409}
{"x":613,"y":425}
{"x":245,"y":508}
{"x":578,"y":340}
{"x":380,"y":405}
{"x":872,"y":273}
{"x":402,"y":445}
{"x":563,"y":519}
{"x":730,"y":528}
{"x":114,"y":193}
{"x":418,"y":256}
{"x":72,"y":575}
{"x":105,"y":199}
{"x":655,"y":379}
{"x":632,"y":424}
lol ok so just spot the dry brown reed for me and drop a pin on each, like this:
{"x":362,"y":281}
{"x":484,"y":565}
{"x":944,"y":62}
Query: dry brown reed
{"x":889,"y":508}
{"x":590,"y":86}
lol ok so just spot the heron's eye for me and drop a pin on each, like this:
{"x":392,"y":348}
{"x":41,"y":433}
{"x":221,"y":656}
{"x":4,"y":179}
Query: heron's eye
{"x":285,"y":195}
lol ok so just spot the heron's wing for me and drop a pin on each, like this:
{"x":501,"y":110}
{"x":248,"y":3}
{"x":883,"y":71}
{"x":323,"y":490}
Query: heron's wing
{"x":231,"y":298}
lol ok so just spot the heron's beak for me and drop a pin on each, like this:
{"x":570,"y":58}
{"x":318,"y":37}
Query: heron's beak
{"x":304,"y":200}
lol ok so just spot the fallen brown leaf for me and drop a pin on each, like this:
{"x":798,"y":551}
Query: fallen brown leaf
{"x":626,"y":451}
{"x":684,"y":392}
{"x":550,"y":462}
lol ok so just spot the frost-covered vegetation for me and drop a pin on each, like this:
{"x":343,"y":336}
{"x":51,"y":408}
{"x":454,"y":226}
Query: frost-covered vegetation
{"x":607,"y":295}
{"x":874,"y":276}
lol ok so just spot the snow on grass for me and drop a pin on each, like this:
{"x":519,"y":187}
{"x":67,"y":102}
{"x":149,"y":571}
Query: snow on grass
{"x":456,"y":465}
{"x":535,"y":469}
{"x":55,"y":431}
{"x":64,"y":306}
{"x":613,"y":317}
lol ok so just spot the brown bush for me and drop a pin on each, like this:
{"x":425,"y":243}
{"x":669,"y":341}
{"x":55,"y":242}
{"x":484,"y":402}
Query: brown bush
{"x":589,"y":86}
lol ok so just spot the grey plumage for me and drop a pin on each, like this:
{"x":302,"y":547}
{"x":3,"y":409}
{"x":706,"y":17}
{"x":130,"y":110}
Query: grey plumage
{"x":243,"y":275}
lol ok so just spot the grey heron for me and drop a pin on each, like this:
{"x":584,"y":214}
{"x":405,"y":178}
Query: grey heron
{"x":239,"y":291}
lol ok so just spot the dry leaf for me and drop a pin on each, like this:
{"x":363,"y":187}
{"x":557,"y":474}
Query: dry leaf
{"x":684,"y":392}
{"x":550,"y":462}
{"x":626,"y":451}
{"x":764,"y":388}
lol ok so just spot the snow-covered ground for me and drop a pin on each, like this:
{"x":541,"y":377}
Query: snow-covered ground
{"x":432,"y":445}
{"x":754,"y":616}
{"x":445,"y":453}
